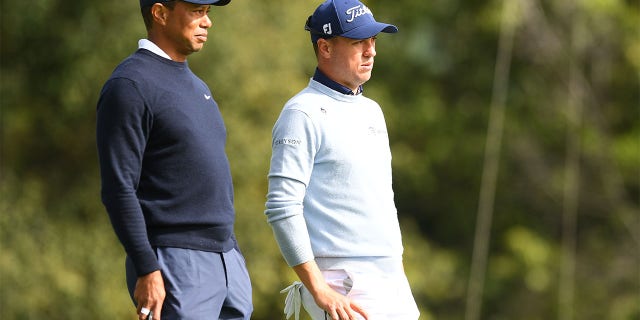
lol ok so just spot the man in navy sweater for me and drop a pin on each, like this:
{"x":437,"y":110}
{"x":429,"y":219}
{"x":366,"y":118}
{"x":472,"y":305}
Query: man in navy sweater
{"x":166,"y":181}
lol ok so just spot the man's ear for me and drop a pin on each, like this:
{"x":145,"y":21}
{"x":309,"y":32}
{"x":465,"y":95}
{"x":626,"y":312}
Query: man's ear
{"x":324,"y":48}
{"x":159,"y":13}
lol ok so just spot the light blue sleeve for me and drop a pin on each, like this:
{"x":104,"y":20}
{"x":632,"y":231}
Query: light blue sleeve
{"x":293,"y":152}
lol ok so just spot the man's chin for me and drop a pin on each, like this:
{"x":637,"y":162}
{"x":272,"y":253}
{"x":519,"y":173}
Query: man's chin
{"x":364,"y":77}
{"x":197,"y":47}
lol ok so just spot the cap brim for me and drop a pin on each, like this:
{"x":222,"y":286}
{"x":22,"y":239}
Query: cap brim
{"x":370,"y":30}
{"x":212,"y":2}
{"x":221,"y":2}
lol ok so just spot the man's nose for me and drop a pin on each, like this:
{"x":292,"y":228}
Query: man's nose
{"x":206,"y":22}
{"x":371,"y":48}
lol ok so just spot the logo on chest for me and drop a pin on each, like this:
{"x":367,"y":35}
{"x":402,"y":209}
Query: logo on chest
{"x":373,"y":131}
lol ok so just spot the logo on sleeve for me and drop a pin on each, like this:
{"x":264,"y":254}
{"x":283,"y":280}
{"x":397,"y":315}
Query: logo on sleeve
{"x":287,"y":141}
{"x":207,"y":97}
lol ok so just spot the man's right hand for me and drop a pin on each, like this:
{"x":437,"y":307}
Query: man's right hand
{"x":149,"y":293}
{"x":337,"y":306}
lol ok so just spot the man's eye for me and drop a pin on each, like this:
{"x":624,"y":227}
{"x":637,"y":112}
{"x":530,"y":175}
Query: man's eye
{"x":201,"y":12}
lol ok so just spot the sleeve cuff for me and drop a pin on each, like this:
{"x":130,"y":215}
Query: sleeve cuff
{"x":293,"y":239}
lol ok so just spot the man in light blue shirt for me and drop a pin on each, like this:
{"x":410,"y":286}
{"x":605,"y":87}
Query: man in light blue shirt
{"x":330,"y":201}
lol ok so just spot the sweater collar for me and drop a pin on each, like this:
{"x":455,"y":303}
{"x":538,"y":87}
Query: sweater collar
{"x":349,"y":98}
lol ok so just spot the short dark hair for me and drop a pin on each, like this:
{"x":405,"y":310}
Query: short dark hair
{"x":146,"y":12}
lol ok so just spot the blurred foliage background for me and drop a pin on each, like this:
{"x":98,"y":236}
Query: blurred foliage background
{"x":564,"y":227}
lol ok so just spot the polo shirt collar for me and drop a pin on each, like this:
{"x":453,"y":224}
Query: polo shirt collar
{"x":148,"y":45}
{"x":322,"y":78}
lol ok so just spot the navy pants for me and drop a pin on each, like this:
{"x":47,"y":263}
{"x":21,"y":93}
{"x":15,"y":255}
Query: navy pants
{"x":201,"y":285}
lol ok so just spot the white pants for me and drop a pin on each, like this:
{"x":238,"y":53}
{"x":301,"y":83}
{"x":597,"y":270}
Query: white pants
{"x":383,"y":294}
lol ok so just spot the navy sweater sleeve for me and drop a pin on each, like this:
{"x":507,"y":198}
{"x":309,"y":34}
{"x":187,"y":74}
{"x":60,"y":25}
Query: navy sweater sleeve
{"x":122,"y":132}
{"x":166,"y":180}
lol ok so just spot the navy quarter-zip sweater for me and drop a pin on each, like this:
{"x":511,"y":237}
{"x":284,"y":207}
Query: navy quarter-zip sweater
{"x":166,"y":179}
